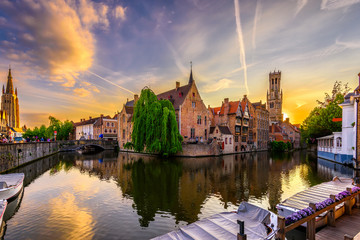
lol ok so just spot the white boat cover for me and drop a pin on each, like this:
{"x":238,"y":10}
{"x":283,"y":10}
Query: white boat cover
{"x":225,"y":226}
{"x":12,"y":179}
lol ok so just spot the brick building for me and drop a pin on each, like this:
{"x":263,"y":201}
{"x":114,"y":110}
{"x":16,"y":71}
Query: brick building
{"x":224,"y":137}
{"x":93,"y":127}
{"x":125,"y":122}
{"x":252,"y":135}
{"x":276,"y":133}
{"x":106,"y":126}
{"x":275,"y":97}
{"x":261,"y":122}
{"x":235,"y":116}
{"x":292,"y":132}
{"x":191,"y":113}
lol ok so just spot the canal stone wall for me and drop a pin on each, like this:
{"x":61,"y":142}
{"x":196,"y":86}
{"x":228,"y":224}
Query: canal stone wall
{"x":16,"y":154}
{"x":200,"y":150}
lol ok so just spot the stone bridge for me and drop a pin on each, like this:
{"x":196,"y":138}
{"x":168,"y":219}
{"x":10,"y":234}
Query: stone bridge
{"x":71,"y":145}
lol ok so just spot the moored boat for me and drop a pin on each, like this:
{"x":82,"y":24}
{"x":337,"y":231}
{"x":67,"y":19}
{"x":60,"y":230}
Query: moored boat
{"x":11,"y":185}
{"x":258,"y":224}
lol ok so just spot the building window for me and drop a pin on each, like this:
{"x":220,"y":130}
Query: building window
{"x":105,"y":130}
{"x":217,"y":131}
{"x":236,"y":138}
{"x":109,"y":130}
{"x":338,"y":142}
{"x":123,"y":133}
{"x":229,"y":140}
{"x":225,"y":140}
{"x":205,"y":134}
{"x":199,"y":120}
{"x":205,"y":120}
{"x":123,"y":118}
{"x":271,"y":105}
{"x":112,"y":124}
{"x":243,"y":139}
{"x":193,"y":105}
{"x":272,"y":81}
{"x":192,"y":133}
{"x":193,"y":94}
{"x":107,"y":124}
{"x":237,"y":129}
{"x":114,"y":130}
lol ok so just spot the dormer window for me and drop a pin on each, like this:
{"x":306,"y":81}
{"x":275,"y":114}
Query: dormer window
{"x":193,"y":94}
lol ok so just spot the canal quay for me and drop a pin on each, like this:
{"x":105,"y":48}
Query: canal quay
{"x":130,"y":196}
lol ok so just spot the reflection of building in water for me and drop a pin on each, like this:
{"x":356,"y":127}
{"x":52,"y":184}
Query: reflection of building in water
{"x":182,"y":186}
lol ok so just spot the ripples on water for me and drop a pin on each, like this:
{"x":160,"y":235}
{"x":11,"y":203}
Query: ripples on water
{"x":128,"y":196}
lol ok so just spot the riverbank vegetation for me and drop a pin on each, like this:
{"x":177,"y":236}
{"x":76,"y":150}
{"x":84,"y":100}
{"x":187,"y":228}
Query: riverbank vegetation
{"x":320,"y":122}
{"x":280,"y":146}
{"x":63,"y":130}
{"x":155,"y":127}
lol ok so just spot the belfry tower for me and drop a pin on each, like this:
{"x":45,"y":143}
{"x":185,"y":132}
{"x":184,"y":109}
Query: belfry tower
{"x":275,"y":97}
{"x":10,"y":103}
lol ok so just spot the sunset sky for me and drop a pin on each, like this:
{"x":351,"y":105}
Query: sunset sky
{"x":78,"y":58}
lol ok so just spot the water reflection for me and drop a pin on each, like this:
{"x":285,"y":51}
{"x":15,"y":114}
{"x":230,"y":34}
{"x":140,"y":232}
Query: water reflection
{"x":138,"y":196}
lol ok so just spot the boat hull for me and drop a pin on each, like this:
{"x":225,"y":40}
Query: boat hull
{"x":12,"y":192}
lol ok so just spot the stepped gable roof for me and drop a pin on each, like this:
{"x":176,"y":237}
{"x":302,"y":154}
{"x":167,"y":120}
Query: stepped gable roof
{"x":243,"y":106}
{"x":259,"y":105}
{"x":224,"y":130}
{"x":176,"y":96}
{"x":99,"y":121}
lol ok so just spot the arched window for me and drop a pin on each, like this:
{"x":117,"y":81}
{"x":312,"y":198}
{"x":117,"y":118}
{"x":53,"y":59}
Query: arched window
{"x":105,"y":130}
{"x":225,"y":140}
{"x":338,"y":142}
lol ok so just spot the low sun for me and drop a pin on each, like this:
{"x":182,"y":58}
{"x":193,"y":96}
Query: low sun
{"x":285,"y":116}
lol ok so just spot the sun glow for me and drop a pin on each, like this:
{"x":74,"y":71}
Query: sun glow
{"x":285,"y":116}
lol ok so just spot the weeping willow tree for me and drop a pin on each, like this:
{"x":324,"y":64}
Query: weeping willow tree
{"x":154,"y":126}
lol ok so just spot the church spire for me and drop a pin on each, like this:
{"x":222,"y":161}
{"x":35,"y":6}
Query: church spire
{"x":191,"y":79}
{"x":9,"y":85}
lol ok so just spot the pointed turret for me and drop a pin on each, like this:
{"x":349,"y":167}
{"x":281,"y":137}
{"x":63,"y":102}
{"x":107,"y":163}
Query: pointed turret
{"x":9,"y":85}
{"x":16,"y":91}
{"x":191,"y":79}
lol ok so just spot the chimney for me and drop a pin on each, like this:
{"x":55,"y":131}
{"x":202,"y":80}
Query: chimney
{"x":177,"y":85}
{"x":101,"y":115}
{"x":226,"y":100}
{"x":90,"y":117}
{"x":287,"y":120}
{"x":245,"y":96}
{"x":136,"y":97}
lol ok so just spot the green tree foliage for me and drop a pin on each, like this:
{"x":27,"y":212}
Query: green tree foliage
{"x":154,"y":125}
{"x":280,"y":146}
{"x":63,"y":129}
{"x":319,"y":122}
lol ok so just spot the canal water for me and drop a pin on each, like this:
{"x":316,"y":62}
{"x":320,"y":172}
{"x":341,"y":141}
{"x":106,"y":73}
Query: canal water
{"x":130,"y":196}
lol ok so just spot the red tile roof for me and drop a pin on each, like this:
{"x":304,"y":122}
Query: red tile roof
{"x":233,"y":106}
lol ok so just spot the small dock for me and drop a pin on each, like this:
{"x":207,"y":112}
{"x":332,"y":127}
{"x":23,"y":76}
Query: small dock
{"x":316,"y":193}
{"x":344,"y":225}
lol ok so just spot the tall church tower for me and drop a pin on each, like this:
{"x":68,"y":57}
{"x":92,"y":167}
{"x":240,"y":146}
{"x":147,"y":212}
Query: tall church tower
{"x":10,"y":103}
{"x":275,"y":97}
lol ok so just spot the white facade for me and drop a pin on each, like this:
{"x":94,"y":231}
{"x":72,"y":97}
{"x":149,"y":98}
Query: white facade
{"x":340,"y":146}
{"x":86,"y":130}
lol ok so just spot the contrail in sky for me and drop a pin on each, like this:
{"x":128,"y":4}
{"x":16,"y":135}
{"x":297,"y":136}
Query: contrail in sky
{"x":241,"y":43}
{"x":110,"y":82}
{"x":256,"y":19}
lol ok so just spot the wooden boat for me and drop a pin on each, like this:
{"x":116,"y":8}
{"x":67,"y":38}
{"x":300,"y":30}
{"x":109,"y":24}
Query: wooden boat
{"x":257,"y":222}
{"x":316,"y":194}
{"x":11,"y":185}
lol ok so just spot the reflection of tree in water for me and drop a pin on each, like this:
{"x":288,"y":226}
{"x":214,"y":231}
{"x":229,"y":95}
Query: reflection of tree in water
{"x":65,"y":165}
{"x":155,"y":188}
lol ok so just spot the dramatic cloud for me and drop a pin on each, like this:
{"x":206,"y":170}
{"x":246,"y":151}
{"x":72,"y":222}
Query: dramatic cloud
{"x":119,"y":12}
{"x":81,"y":92}
{"x":56,"y":36}
{"x":221,"y":84}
